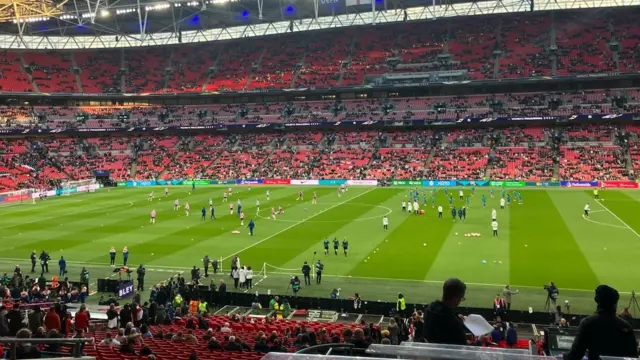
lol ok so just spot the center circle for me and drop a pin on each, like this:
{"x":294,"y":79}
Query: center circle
{"x":388,"y":211}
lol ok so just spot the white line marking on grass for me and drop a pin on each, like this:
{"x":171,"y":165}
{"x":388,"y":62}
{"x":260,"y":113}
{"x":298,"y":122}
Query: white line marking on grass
{"x":389,"y":211}
{"x":294,"y":225}
{"x":617,"y":217}
{"x":604,"y":224}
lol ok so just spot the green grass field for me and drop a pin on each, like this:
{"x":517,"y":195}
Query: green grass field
{"x":544,"y":239}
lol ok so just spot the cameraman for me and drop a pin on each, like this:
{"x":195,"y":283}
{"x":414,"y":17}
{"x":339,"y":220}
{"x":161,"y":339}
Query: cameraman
{"x":195,"y":274}
{"x":295,"y":285}
{"x":141,"y":273}
{"x":552,"y":294}
{"x":84,"y":276}
{"x":44,"y":261}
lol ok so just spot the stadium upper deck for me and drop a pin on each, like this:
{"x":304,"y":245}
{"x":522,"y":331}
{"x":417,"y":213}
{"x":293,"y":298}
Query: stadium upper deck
{"x":481,"y":47}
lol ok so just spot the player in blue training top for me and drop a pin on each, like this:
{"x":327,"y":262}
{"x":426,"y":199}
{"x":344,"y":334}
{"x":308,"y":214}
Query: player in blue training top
{"x":508,"y":200}
{"x":433,"y":201}
{"x":491,"y":192}
{"x":453,"y":213}
{"x":464,"y":213}
{"x":473,"y":190}
{"x":460,"y":213}
{"x":484,"y":201}
{"x":450,"y":200}
{"x":468,"y":200}
{"x":325,"y":243}
{"x":446,"y":190}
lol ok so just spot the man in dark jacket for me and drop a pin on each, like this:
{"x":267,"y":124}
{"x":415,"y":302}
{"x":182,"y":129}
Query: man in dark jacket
{"x":233,"y":345}
{"x":604,"y":334}
{"x":442,"y":325}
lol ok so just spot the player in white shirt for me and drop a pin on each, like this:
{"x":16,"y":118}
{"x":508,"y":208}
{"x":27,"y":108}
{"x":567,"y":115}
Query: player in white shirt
{"x":151,"y":196}
{"x":242,"y":218}
{"x":439,"y":211}
{"x":176,"y":205}
{"x":461,"y":193}
{"x":494,"y":226}
{"x":224,"y":197}
{"x":186,"y":208}
{"x":166,"y":192}
{"x":268,"y":195}
{"x":230,"y":208}
{"x":502,"y":204}
{"x":385,"y":223}
{"x":404,"y":206}
{"x":416,"y":207}
{"x":230,"y":191}
{"x":494,"y":215}
{"x":587,"y":208}
{"x":339,"y":194}
{"x":342,"y":188}
{"x":210,"y":202}
{"x":410,"y":208}
{"x":273,"y":213}
{"x":257,"y":206}
{"x":315,"y":198}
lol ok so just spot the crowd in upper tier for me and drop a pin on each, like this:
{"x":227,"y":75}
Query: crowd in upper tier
{"x":580,"y":152}
{"x":517,"y":48}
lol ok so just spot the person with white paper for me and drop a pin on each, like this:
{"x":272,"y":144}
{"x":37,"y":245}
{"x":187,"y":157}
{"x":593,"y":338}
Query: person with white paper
{"x":442,"y":324}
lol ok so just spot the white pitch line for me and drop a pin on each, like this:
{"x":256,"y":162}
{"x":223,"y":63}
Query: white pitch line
{"x":296,"y":224}
{"x":617,"y":217}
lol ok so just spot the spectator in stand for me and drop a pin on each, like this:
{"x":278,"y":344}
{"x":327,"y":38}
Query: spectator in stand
{"x":277,"y":346}
{"x":604,"y":334}
{"x":261,"y":346}
{"x":359,"y":341}
{"x":190,"y":338}
{"x":496,"y":334}
{"x":178,"y":337}
{"x":442,"y":324}
{"x":626,"y":315}
{"x":26,"y":350}
{"x":232,"y":345}
{"x":213,"y":344}
{"x":82,"y":319}
{"x":53,"y":348}
{"x":225,"y":328}
{"x":112,"y":317}
{"x":512,"y":336}
{"x":393,"y":331}
{"x":109,"y":340}
{"x":127,"y":347}
{"x":4,"y":322}
{"x":35,"y":319}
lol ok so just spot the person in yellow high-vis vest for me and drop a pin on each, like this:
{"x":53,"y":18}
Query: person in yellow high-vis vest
{"x":202,"y":307}
{"x":279,"y":310}
{"x":401,"y":306}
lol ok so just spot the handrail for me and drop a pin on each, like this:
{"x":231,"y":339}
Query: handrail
{"x":77,"y":344}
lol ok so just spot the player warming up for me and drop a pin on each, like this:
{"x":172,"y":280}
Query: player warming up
{"x":230,"y":208}
{"x":257,"y":206}
{"x":166,"y":192}
{"x":153,"y":217}
{"x":268,"y":195}
{"x":273,"y":213}
{"x":439,"y":211}
{"x":336,"y":245}
{"x":345,"y":246}
{"x":339,"y":192}
{"x":151,"y":196}
{"x":494,"y":226}
{"x":587,"y":208}
{"x":186,"y":208}
{"x":280,"y":210}
{"x":176,"y":205}
{"x":315,"y":198}
{"x":224,"y":197}
{"x":385,"y":223}
{"x":300,"y":197}
{"x":325,"y":243}
{"x":242,"y":218}
{"x":501,"y":203}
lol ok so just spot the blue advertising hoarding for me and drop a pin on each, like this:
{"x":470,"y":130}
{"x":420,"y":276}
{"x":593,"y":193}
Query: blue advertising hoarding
{"x":579,"y":184}
{"x":472,"y":182}
{"x":249,"y":181}
{"x":440,"y":183}
{"x":332,"y":182}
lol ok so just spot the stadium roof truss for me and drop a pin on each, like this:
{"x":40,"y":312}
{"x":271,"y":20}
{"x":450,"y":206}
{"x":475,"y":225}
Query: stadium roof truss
{"x":88,"y":14}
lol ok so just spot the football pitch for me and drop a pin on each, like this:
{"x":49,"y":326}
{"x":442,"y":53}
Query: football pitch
{"x":546,"y":238}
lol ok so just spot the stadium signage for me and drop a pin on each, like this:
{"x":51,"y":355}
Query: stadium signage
{"x":621,"y":184}
{"x":407,"y":182}
{"x":305,"y":182}
{"x":126,"y":289}
{"x":472,"y":182}
{"x":276,"y":181}
{"x":579,"y":183}
{"x":507,"y":183}
{"x":249,"y":181}
{"x":362,"y":182}
{"x":332,"y":182}
{"x":329,"y":2}
{"x":542,"y":183}
{"x":439,"y":182}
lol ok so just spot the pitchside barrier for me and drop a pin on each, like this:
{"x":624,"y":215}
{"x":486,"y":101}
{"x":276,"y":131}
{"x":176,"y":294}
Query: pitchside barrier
{"x":618,"y":184}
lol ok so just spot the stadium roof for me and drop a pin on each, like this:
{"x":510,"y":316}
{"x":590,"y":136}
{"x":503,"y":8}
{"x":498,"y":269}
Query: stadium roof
{"x":95,"y":24}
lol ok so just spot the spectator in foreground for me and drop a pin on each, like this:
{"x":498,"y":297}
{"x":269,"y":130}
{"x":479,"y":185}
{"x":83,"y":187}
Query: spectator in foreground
{"x":442,"y":324}
{"x":26,"y":350}
{"x":604,"y":334}
{"x":512,"y":336}
{"x":261,"y":346}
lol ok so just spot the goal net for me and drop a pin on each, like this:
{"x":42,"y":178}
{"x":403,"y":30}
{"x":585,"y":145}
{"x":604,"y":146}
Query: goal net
{"x":16,"y":197}
{"x":72,"y":186}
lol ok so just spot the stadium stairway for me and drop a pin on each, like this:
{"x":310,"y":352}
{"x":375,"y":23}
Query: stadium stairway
{"x":23,"y":65}
{"x":167,"y":74}
{"x":123,"y":74}
{"x":256,"y":66}
{"x":134,"y":167}
{"x":427,"y":162}
{"x":76,"y":74}
{"x":211,"y":73}
{"x":347,"y":59}
{"x":487,"y":172}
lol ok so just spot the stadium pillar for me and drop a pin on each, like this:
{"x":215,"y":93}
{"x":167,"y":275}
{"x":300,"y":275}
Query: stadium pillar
{"x":260,"y":3}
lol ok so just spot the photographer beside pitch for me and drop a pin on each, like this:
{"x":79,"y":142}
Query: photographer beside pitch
{"x":552,"y":294}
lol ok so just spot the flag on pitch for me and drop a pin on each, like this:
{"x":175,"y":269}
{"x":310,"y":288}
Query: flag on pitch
{"x":357,"y":2}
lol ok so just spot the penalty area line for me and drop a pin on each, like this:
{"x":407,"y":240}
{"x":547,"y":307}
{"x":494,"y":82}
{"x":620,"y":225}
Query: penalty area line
{"x":617,"y":217}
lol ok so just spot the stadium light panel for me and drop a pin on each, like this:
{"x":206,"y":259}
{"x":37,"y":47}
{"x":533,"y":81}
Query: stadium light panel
{"x":105,"y":13}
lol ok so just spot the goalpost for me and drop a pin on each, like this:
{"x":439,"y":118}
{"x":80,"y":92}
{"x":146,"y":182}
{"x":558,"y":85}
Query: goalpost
{"x":72,"y":186}
{"x":16,"y":197}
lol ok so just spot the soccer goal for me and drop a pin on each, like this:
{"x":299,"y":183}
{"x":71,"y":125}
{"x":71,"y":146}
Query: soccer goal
{"x":70,"y":187}
{"x":16,"y":197}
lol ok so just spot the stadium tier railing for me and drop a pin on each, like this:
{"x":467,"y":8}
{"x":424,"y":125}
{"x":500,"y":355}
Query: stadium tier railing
{"x":425,"y":346}
{"x":450,"y":352}
{"x":12,"y":343}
